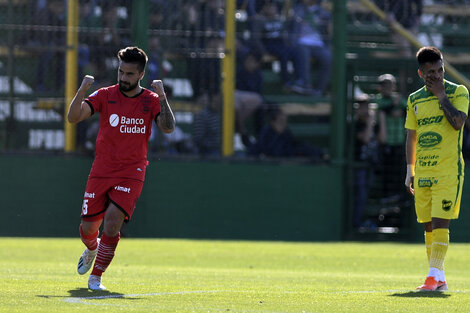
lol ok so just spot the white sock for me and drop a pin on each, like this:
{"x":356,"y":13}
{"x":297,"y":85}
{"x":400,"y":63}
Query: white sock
{"x":442,"y":276}
{"x":434,"y":272}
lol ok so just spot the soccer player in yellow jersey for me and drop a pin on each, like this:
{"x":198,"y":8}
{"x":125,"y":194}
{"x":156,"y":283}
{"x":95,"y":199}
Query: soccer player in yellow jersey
{"x":436,"y":114}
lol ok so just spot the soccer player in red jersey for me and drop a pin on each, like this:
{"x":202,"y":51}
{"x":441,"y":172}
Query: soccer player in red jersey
{"x":127,"y":111}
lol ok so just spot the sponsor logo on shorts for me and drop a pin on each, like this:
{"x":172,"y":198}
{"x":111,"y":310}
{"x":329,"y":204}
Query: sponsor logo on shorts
{"x":123,"y":189}
{"x":128,"y":125}
{"x":424,"y":182}
{"x":89,"y":195}
{"x":446,"y":205}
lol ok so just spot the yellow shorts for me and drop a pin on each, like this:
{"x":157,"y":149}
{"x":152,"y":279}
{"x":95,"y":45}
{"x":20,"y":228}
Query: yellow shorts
{"x":437,"y":197}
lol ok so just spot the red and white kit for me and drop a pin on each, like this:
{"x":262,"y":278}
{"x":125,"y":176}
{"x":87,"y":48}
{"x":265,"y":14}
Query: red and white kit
{"x":118,"y":171}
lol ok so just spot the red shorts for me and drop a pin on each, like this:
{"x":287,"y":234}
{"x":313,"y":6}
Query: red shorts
{"x":99,"y":192}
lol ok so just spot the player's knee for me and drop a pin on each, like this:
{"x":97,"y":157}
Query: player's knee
{"x":113,"y":222}
{"x":112,"y":228}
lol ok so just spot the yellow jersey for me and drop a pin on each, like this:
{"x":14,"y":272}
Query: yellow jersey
{"x":439,"y":145}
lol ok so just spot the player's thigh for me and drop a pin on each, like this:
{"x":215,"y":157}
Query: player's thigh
{"x":95,"y":199}
{"x":423,"y":200}
{"x":447,"y":194}
{"x":124,"y":195}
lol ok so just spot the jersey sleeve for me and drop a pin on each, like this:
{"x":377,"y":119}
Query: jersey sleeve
{"x":410,"y":122}
{"x":156,"y":107}
{"x":96,"y":100}
{"x":461,"y":99}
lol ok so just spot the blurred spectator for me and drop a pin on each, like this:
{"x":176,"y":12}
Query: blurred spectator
{"x":408,"y":14}
{"x":113,"y":36}
{"x":204,"y":22}
{"x":248,"y":88}
{"x":249,"y":6}
{"x":204,"y":69}
{"x":276,"y":140}
{"x":392,"y":110}
{"x":155,"y":62}
{"x":368,"y":136}
{"x":90,"y":25}
{"x":50,"y":37}
{"x":207,"y":127}
{"x":270,"y":38}
{"x":177,"y":142}
{"x":311,"y":35}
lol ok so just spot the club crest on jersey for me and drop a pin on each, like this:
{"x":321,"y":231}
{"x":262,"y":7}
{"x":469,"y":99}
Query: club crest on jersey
{"x":416,"y":109}
{"x":128,"y":125}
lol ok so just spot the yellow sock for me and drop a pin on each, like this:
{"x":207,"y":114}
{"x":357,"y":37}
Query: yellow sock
{"x":439,"y":248}
{"x":428,"y":243}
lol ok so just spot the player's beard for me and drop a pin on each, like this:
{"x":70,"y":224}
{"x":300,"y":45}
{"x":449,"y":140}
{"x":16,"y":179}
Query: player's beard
{"x":126,"y":87}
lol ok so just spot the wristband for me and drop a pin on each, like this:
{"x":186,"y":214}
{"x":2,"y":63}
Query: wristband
{"x":410,"y":168}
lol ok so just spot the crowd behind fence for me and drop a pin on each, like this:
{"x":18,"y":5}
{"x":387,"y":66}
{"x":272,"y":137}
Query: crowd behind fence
{"x":277,"y":68}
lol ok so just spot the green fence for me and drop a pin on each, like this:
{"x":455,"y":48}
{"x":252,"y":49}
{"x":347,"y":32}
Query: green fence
{"x":42,"y":196}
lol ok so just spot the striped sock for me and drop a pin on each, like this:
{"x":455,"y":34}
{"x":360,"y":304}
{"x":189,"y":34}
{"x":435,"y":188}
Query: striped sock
{"x":105,"y":253}
{"x":428,"y":243}
{"x":439,"y":248}
{"x":90,"y":241}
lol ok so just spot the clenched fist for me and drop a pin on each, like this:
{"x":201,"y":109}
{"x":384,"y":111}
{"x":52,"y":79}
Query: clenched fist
{"x":158,"y":86}
{"x":87,"y":81}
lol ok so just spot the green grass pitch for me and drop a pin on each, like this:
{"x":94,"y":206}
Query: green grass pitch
{"x":152,"y":275}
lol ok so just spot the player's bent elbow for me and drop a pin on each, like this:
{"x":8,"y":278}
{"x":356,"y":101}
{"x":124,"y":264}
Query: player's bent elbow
{"x":73,"y":119}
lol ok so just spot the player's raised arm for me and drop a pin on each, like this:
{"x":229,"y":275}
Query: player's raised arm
{"x":166,"y":120}
{"x":78,"y":110}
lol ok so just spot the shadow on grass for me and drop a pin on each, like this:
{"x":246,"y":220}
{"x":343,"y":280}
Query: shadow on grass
{"x":86,"y":294}
{"x":420,"y":294}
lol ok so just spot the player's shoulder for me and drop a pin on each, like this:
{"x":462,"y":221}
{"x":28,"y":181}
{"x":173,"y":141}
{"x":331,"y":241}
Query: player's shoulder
{"x":149,"y":94}
{"x":452,"y":87}
{"x":456,"y":90}
{"x":418,"y":94}
{"x":106,"y":90}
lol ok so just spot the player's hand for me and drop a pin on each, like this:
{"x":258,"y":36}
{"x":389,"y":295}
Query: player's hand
{"x":87,"y":81}
{"x":435,"y":86}
{"x":409,"y":180}
{"x":157,"y":85}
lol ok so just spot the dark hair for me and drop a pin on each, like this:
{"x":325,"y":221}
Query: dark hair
{"x":428,"y":55}
{"x":133,"y":55}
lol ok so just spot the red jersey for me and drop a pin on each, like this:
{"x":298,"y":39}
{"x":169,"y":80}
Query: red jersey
{"x":125,"y":128}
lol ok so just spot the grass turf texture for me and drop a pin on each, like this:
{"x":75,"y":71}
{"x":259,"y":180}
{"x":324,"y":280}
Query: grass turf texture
{"x":39,"y":275}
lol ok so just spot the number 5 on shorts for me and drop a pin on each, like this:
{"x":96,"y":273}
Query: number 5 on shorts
{"x":85,"y":207}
